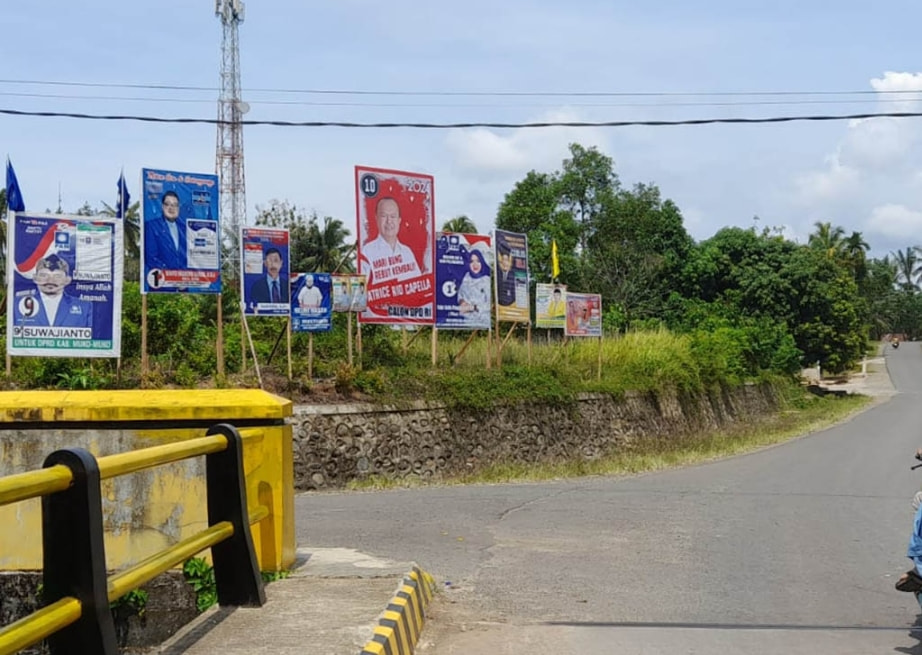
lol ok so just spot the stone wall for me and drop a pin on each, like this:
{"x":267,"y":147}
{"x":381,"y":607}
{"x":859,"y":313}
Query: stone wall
{"x":336,"y":444}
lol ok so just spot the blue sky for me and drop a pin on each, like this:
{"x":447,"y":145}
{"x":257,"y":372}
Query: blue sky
{"x":864,"y":176}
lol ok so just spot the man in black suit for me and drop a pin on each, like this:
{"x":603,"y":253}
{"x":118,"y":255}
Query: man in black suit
{"x":270,"y":288}
{"x":505,"y":278}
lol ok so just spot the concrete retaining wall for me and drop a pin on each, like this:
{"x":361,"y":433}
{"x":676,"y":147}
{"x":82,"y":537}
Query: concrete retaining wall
{"x":336,"y":444}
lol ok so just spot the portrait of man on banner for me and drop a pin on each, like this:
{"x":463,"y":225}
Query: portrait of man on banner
{"x":65,"y":289}
{"x":266,"y":278}
{"x":311,"y":302}
{"x":396,"y":228}
{"x":180,"y":233}
{"x":550,"y":305}
{"x":511,"y":276}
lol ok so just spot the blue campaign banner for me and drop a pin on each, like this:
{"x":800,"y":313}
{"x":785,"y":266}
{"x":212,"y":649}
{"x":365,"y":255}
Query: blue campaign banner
{"x":65,"y":286}
{"x":180,"y":232}
{"x":463,"y":285}
{"x":311,"y":302}
{"x":265,"y":276}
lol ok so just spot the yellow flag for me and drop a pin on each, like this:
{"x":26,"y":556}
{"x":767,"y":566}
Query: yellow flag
{"x":555,"y":265}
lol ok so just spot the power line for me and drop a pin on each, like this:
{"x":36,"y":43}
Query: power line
{"x":455,"y":105}
{"x":367,"y":92}
{"x":448,"y":126}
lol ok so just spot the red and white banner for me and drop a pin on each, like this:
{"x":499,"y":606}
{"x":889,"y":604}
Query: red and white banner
{"x":395,"y":213}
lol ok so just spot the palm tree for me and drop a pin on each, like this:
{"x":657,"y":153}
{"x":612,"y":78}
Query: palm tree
{"x":131,"y":223}
{"x":908,"y":267}
{"x":827,"y":238}
{"x":327,"y":246}
{"x":854,"y":248}
{"x":460,"y":224}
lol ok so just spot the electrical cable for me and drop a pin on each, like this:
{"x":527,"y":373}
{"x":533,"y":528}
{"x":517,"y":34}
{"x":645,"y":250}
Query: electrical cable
{"x":446,"y":126}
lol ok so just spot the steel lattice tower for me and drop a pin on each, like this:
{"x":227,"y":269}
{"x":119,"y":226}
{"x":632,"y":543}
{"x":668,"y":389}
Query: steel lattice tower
{"x":229,"y":151}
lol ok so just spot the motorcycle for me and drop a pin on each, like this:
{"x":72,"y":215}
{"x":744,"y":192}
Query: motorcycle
{"x":911,"y":581}
{"x":895,"y":343}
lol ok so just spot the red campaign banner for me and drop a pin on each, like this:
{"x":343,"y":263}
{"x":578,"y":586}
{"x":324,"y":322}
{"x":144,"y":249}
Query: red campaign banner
{"x":395,"y":215}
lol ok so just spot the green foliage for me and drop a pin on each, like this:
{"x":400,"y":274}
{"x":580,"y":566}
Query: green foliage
{"x":135,"y":602}
{"x":273,"y":576}
{"x":200,"y":575}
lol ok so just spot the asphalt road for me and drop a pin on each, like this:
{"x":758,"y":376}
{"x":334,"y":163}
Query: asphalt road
{"x":790,"y":549}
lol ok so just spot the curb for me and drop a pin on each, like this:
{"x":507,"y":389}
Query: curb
{"x":401,"y":623}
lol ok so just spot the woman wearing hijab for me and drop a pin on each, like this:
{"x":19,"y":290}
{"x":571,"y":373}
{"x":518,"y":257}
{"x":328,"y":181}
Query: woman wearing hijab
{"x":474,"y":292}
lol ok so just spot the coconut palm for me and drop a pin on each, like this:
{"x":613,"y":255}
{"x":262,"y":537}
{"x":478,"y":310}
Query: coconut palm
{"x":460,"y":224}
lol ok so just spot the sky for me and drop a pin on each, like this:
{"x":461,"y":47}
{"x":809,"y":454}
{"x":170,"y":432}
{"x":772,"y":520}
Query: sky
{"x":766,"y":57}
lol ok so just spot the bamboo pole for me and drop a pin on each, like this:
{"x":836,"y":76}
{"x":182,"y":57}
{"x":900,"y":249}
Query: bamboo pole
{"x":144,"y":361}
{"x":259,"y":376}
{"x":289,"y":349}
{"x":219,"y":346}
{"x":435,"y":346}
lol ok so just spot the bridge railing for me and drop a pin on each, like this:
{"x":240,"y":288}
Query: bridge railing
{"x":77,"y":589}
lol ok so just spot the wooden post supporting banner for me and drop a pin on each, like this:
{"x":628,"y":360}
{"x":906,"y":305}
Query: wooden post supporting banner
{"x":310,"y":356}
{"x":599,"y":376}
{"x":358,"y":339}
{"x":489,"y":347}
{"x":144,"y":362}
{"x":435,"y":346}
{"x":219,"y":346}
{"x":243,"y":341}
{"x":528,"y":341}
{"x":470,"y":339}
{"x":259,"y":376}
{"x":289,"y":349}
{"x":349,"y":336}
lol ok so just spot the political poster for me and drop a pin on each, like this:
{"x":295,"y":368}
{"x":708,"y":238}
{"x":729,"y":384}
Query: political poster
{"x":550,"y":305}
{"x":464,"y":288}
{"x":180,"y":232}
{"x":395,"y":213}
{"x":349,"y":293}
{"x":64,"y":286}
{"x":511,"y":276}
{"x":265,"y":276}
{"x":311,"y":302}
{"x":584,"y":315}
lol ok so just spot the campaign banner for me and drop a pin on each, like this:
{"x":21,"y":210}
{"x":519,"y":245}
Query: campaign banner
{"x":349,"y":293}
{"x":180,"y":232}
{"x":64,"y":287}
{"x":464,"y":288}
{"x":584,"y":315}
{"x":395,"y":212}
{"x":550,"y":305}
{"x":311,"y":302}
{"x":511,"y":276}
{"x":265,"y":276}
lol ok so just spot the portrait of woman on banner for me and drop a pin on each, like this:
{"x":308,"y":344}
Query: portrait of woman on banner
{"x":474,"y":294}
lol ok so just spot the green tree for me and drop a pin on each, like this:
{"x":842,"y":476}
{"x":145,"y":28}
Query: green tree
{"x":313,"y":246}
{"x":131,"y":223}
{"x":460,"y":225}
{"x":908,"y":267}
{"x":586,"y":184}
{"x":532,"y":208}
{"x":636,"y":252}
{"x":827,"y":238}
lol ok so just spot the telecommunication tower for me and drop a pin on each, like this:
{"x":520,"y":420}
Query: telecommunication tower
{"x":229,"y":152}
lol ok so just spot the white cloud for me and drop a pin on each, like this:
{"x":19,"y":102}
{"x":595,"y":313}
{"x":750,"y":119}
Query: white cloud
{"x":487,"y":152}
{"x":896,"y":222}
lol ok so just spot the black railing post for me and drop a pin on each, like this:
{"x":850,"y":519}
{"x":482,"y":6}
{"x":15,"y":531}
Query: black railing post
{"x":74,"y":557}
{"x":236,"y":571}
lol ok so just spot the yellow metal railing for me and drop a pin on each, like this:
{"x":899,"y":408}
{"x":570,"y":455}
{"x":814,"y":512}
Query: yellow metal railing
{"x":64,"y":612}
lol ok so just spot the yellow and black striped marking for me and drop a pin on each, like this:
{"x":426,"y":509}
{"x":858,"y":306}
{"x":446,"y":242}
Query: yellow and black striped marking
{"x":402,"y":621}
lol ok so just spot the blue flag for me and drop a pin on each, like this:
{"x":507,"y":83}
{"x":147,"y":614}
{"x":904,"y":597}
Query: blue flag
{"x":124,"y":198}
{"x":13,"y":194}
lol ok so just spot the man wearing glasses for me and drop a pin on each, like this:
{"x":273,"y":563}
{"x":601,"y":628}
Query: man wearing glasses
{"x":165,"y":237}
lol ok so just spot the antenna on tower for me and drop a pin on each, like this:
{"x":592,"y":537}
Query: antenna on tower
{"x":229,"y":151}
